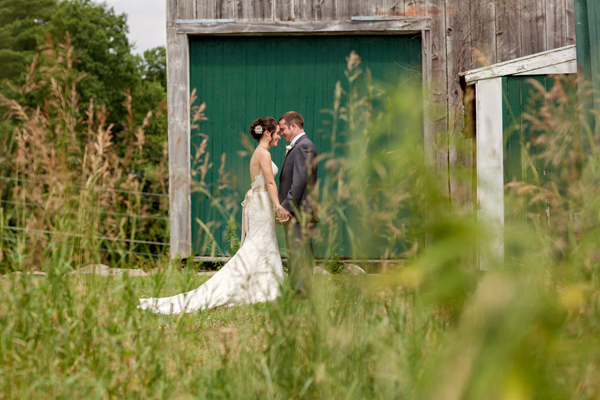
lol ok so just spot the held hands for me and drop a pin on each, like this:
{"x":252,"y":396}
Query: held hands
{"x":282,"y":215}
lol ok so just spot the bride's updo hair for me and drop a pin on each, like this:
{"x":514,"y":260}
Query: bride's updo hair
{"x":266,"y":124}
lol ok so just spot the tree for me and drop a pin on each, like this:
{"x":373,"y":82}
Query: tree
{"x":153,"y":91}
{"x":100,"y":39}
{"x":22,"y":23}
{"x":103,"y":51}
{"x":154,"y":65}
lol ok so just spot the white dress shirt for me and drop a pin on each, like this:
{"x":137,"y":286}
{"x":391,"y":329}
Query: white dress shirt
{"x":294,"y":140}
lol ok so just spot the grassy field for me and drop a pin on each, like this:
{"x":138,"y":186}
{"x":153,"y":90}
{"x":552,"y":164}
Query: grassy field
{"x":357,"y":337}
{"x":436,"y":327}
{"x":82,"y":337}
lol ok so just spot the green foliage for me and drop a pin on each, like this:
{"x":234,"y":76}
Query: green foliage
{"x":151,"y":94}
{"x":154,"y":66}
{"x":99,"y":37}
{"x":232,"y":237}
{"x":22,"y":23}
{"x":104,"y":52}
{"x":436,"y":327}
{"x":334,"y":265}
{"x":109,"y":89}
{"x":71,"y":177}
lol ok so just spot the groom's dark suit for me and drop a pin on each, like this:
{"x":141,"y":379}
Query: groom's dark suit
{"x":297,"y":181}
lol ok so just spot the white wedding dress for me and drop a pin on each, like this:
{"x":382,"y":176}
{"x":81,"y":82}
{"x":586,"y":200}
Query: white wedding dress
{"x":254,"y":274}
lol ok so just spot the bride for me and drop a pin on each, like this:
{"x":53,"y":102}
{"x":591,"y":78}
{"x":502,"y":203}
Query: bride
{"x":255,"y":273}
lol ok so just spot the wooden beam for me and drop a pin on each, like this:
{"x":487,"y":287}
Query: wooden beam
{"x":490,"y":166}
{"x":568,"y":67}
{"x":404,"y":25}
{"x":179,"y":142}
{"x":204,"y":21}
{"x":376,"y":18}
{"x":171,"y":12}
{"x":522,"y":65}
{"x":428,"y":132}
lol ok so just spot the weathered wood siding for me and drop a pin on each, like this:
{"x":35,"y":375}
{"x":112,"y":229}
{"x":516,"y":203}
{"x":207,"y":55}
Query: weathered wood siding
{"x":464,"y":34}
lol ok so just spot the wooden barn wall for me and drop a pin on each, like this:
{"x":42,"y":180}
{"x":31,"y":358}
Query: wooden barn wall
{"x":465,"y":34}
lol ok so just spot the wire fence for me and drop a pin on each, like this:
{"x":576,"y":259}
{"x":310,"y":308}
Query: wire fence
{"x":107,"y":238}
{"x":6,"y":178}
{"x":89,"y":211}
{"x":14,"y":228}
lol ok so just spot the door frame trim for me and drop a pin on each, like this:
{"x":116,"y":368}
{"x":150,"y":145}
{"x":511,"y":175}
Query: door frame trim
{"x":178,"y":93}
{"x":489,"y":135}
{"x":404,"y":25}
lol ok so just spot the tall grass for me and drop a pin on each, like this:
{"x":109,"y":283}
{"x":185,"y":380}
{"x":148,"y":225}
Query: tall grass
{"x":68,"y":180}
{"x":436,"y":327}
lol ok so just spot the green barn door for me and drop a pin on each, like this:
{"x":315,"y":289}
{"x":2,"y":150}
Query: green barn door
{"x":244,"y":78}
{"x":520,"y":103}
{"x":587,"y":16}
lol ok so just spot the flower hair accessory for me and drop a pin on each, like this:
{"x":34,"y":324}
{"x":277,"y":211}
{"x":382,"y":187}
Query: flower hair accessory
{"x":258,"y":130}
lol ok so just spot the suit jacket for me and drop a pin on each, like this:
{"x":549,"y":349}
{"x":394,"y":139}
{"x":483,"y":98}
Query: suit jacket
{"x":298,"y":178}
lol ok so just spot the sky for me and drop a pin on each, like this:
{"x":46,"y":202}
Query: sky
{"x":146,"y":20}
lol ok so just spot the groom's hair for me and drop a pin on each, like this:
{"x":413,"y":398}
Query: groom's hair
{"x":293,"y":117}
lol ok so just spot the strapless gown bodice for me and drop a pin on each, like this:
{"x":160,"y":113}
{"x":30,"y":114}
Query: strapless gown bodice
{"x":259,"y":180}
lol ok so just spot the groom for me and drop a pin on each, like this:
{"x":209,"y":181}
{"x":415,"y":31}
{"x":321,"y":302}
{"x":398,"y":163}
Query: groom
{"x":297,"y":181}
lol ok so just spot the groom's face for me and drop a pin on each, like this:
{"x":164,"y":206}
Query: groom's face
{"x":286,"y":131}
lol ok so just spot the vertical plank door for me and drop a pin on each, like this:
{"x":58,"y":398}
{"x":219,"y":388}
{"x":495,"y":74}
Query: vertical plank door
{"x":521,"y":102}
{"x":244,"y":78}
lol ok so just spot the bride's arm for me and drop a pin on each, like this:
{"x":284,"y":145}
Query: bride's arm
{"x":265,"y":165}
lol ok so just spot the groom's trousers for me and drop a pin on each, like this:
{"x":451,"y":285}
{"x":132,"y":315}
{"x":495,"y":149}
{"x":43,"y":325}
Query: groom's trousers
{"x":301,"y":254}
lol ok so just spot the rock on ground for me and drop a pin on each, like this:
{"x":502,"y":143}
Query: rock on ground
{"x":130,"y":272}
{"x":320,"y":271}
{"x":353,"y":269}
{"x":98,"y":269}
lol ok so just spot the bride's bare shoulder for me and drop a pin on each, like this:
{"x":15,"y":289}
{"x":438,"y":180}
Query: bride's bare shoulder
{"x":262,"y":154}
